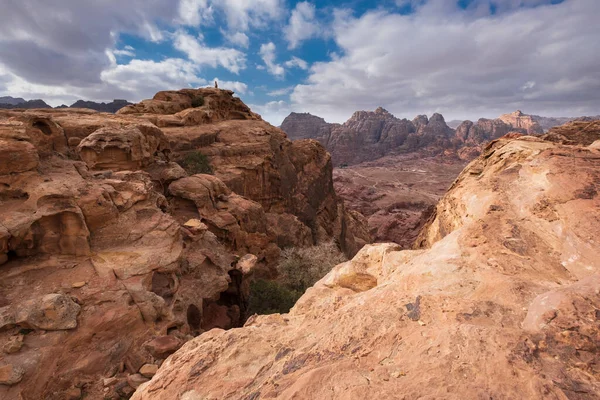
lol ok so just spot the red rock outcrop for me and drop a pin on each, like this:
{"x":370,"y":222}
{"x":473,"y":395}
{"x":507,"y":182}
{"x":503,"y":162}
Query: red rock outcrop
{"x":518,"y":120}
{"x":583,"y":132}
{"x":112,"y":257}
{"x":499,"y":301}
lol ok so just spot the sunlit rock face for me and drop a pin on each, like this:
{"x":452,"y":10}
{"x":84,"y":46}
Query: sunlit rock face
{"x":499,"y":298}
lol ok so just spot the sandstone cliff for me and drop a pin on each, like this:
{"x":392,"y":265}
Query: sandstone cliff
{"x":499,"y":301}
{"x":518,"y":120}
{"x":112,"y":255}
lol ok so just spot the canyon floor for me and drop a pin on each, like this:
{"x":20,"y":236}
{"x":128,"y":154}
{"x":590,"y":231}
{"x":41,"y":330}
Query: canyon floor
{"x":397,"y":193}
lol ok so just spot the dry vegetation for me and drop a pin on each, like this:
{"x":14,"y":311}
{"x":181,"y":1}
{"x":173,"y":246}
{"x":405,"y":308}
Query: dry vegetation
{"x":298,"y":269}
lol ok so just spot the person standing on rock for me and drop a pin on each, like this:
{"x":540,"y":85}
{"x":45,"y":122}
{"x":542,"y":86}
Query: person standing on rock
{"x":216,"y":85}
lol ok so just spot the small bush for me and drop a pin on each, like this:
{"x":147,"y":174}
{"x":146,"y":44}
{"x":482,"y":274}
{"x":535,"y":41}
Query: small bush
{"x":269,"y":297}
{"x":197,"y":101}
{"x":298,"y":269}
{"x":196,"y":163}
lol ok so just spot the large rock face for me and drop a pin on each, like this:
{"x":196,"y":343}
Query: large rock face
{"x":307,"y":126}
{"x":500,"y":301}
{"x":112,"y":256}
{"x":518,"y":120}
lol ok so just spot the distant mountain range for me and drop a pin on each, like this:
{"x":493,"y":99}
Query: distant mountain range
{"x":8,"y":102}
{"x":369,"y":135}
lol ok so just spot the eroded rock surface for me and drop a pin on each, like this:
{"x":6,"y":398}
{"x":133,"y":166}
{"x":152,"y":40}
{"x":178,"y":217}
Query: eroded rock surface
{"x":499,"y":300}
{"x":112,"y":256}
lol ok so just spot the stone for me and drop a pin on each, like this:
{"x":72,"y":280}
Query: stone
{"x":127,"y":148}
{"x":10,"y":375}
{"x":135,"y":380}
{"x":109,"y":381}
{"x":149,"y":370}
{"x":78,"y":285}
{"x":50,"y":312}
{"x":13,"y":345}
{"x":162,"y":346}
{"x":73,"y":393}
{"x":247,"y":264}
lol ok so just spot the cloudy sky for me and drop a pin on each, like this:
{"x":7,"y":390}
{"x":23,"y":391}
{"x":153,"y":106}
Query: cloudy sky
{"x":463,"y":58}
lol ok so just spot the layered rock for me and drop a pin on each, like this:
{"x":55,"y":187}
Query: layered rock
{"x":518,"y":120}
{"x":112,"y":256}
{"x":499,"y":300}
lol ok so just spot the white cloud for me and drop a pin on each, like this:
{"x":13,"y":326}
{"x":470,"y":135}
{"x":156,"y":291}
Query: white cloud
{"x":195,"y":12}
{"x":296,"y":62}
{"x":302,"y":25}
{"x":231,"y":59}
{"x":237,"y":38}
{"x":280,"y":92}
{"x":240,"y":14}
{"x":238,"y":87}
{"x":273,"y":112}
{"x":461,"y":63}
{"x":148,"y":77}
{"x":127,"y":51}
{"x":267,"y":53}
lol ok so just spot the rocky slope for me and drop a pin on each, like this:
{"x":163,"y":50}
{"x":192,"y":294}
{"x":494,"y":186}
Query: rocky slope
{"x":499,"y":301}
{"x":112,"y":256}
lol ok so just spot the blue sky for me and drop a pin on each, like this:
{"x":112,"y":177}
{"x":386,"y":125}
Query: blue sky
{"x":464,"y":58}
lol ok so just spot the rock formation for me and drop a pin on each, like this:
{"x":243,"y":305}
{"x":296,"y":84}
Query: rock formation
{"x":8,"y":102}
{"x":30,"y":104}
{"x":499,"y":300}
{"x":518,"y":120}
{"x":112,"y":256}
{"x":307,"y":126}
{"x":367,"y":136}
{"x":111,"y":107}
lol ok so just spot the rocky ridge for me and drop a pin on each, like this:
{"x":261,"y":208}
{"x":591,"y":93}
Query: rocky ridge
{"x":123,"y":254}
{"x":498,"y":300}
{"x":367,"y":136}
{"x":8,"y":102}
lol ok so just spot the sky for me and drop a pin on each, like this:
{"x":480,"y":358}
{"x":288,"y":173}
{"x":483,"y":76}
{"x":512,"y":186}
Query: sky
{"x":465,"y":59}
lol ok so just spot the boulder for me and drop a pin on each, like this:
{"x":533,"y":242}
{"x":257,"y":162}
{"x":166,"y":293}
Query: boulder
{"x":127,"y":148}
{"x":10,"y":375}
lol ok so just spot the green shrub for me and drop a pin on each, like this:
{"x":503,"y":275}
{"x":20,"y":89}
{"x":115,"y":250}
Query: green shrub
{"x":270,"y":297}
{"x":196,"y":163}
{"x":197,"y":101}
{"x":298,"y":270}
